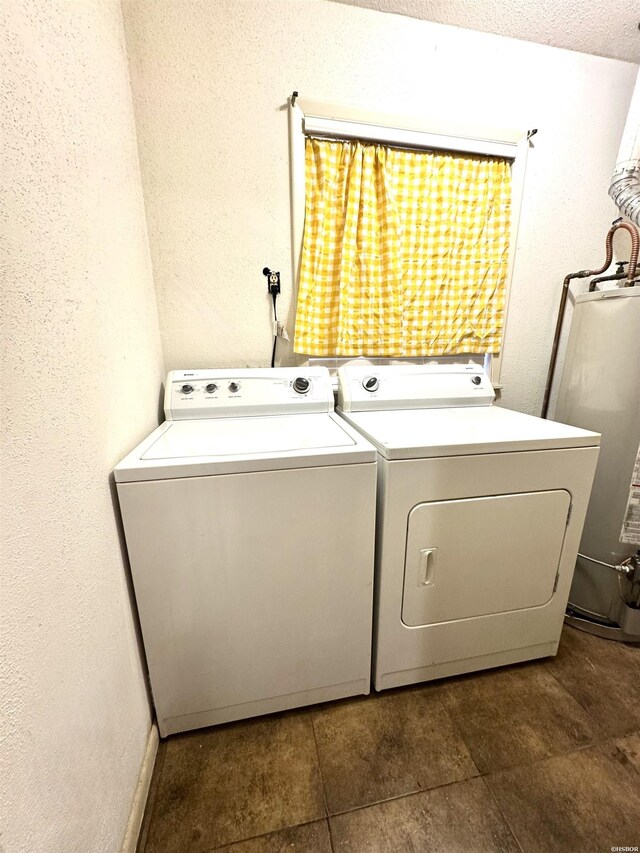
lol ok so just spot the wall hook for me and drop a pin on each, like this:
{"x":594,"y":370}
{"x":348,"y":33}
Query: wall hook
{"x":531,"y":133}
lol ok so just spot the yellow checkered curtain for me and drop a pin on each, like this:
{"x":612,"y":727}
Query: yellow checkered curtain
{"x":405,"y":252}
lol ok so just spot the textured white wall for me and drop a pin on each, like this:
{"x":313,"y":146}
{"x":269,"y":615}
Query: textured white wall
{"x":209,"y":83}
{"x":81,"y":371}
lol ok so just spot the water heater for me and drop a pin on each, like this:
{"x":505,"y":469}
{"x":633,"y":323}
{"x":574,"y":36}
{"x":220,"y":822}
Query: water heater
{"x":600,"y":391}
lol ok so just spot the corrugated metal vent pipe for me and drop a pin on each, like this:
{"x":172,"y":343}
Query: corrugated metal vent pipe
{"x":625,"y":184}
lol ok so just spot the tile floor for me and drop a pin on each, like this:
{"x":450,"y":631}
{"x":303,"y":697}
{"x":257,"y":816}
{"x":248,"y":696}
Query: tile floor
{"x":543,"y":756}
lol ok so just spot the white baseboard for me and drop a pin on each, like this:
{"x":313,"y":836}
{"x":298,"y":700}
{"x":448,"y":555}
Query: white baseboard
{"x":141,"y":793}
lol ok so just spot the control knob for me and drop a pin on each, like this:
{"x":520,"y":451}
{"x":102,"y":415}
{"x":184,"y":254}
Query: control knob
{"x":371,"y":383}
{"x":211,"y":388}
{"x":476,"y":380}
{"x":233,"y":387}
{"x":187,"y":389}
{"x":301,"y":384}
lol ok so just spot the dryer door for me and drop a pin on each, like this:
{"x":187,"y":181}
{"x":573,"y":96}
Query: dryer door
{"x":477,"y":556}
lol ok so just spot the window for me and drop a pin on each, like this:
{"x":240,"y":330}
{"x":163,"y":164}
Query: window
{"x":454,"y":163}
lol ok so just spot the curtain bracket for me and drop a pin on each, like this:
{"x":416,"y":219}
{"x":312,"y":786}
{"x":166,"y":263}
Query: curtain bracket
{"x":293,"y":98}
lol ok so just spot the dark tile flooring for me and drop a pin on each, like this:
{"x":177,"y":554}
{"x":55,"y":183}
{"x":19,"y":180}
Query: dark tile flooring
{"x":543,"y":756}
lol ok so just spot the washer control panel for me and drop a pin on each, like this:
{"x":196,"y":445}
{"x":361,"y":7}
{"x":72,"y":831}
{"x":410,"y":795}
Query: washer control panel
{"x":412,"y":386}
{"x":191,"y":394}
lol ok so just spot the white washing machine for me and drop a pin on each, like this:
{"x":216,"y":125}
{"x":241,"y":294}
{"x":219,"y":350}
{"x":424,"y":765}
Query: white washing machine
{"x":480,"y":511}
{"x":249,"y":517}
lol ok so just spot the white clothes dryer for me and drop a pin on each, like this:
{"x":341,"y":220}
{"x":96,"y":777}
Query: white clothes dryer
{"x":249,"y":518}
{"x":480,"y":511}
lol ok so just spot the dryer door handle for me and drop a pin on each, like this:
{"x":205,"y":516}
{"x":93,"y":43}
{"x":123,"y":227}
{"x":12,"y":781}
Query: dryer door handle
{"x":427,"y":567}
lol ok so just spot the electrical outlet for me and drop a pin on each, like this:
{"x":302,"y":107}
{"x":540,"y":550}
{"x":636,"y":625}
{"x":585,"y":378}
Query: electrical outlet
{"x":273,"y":281}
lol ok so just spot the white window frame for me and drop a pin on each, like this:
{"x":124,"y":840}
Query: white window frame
{"x":318,"y":118}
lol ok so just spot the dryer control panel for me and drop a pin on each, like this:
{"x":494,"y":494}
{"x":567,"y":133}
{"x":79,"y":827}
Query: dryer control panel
{"x":191,"y":394}
{"x":373,"y":387}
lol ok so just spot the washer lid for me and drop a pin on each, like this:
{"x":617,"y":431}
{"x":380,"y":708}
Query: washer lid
{"x":411,"y":434}
{"x":233,"y":445}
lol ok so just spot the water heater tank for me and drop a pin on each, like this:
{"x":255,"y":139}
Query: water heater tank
{"x":600,"y":390}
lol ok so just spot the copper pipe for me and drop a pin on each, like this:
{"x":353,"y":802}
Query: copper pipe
{"x":631,"y":274}
{"x":635,"y":247}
